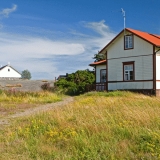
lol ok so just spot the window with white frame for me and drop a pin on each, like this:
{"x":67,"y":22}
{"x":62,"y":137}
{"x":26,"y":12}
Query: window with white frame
{"x":128,"y":42}
{"x":128,"y":69}
{"x":103,"y":75}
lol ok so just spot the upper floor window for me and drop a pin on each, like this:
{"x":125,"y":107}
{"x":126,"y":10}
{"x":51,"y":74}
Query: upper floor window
{"x":128,"y":71}
{"x":103,"y":75}
{"x":8,"y":70}
{"x":128,"y":42}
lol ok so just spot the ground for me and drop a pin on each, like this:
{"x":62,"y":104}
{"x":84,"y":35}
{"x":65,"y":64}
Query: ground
{"x":24,"y":85}
{"x":5,"y":120}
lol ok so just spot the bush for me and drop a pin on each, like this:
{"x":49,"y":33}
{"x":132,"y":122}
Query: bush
{"x":45,"y":86}
{"x":75,"y":83}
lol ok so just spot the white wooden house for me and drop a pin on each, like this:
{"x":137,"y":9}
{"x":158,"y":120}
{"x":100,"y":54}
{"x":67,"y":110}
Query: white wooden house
{"x":8,"y":72}
{"x":132,"y":63}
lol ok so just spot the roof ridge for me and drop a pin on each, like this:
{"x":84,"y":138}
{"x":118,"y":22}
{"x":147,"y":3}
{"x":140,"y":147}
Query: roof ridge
{"x":157,"y":36}
{"x":3,"y":67}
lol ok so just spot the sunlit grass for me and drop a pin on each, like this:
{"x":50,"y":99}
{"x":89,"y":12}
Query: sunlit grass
{"x":28,"y":97}
{"x":11,"y":101}
{"x":117,"y":125}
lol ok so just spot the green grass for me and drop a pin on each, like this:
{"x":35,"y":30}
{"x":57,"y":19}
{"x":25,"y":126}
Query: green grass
{"x":28,"y":97}
{"x":97,"y":126}
{"x":11,"y":101}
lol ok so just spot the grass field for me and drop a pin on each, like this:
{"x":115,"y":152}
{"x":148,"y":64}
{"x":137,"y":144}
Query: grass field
{"x":96,"y":126}
{"x":11,"y":102}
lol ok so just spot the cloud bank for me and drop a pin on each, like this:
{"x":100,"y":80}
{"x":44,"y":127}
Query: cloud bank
{"x":48,"y":57}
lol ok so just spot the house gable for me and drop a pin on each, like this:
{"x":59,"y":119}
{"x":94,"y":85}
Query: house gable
{"x":116,"y":48}
{"x":9,"y":72}
{"x":150,"y":38}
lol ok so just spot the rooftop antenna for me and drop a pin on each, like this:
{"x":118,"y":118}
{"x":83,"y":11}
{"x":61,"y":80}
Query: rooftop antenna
{"x":124,"y":16}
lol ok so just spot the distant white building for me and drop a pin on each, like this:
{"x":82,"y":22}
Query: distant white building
{"x":9,"y":72}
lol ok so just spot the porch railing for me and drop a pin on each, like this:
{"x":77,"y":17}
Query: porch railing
{"x":96,"y":87}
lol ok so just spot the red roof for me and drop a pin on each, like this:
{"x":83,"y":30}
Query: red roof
{"x":98,"y":63}
{"x":151,"y":38}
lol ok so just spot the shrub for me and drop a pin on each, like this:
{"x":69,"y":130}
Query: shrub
{"x":75,"y":83}
{"x":45,"y":86}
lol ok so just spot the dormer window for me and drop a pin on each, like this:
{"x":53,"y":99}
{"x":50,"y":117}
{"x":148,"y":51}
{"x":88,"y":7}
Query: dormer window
{"x":128,"y":42}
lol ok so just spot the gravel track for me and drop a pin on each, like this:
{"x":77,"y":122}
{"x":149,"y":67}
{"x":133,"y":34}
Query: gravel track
{"x":31,"y":111}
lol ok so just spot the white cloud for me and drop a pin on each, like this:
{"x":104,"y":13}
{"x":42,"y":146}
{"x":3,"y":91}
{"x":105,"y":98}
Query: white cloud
{"x":99,"y":27}
{"x":5,"y":12}
{"x":54,"y":57}
{"x":38,"y":47}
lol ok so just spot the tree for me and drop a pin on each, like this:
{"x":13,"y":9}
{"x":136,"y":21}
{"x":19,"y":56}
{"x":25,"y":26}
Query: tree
{"x":26,"y":74}
{"x":75,"y":83}
{"x":99,"y":57}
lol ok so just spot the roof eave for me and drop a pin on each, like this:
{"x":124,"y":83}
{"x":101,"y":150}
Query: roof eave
{"x":141,"y":37}
{"x":95,"y":64}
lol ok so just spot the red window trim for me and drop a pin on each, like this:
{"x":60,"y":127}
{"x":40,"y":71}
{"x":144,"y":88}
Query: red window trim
{"x":132,"y":42}
{"x":129,"y":63}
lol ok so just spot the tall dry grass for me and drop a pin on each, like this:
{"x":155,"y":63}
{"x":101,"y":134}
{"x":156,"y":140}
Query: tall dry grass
{"x":13,"y":101}
{"x":116,"y":125}
{"x":28,"y":97}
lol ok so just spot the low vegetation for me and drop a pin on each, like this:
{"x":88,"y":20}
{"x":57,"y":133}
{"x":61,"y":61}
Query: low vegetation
{"x":75,"y":83}
{"x":115,"y":125}
{"x":12,"y":101}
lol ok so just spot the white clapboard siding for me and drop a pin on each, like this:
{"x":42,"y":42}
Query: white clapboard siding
{"x":143,"y":68}
{"x":141,"y":54}
{"x":130,"y":85}
{"x":141,"y":47}
{"x":158,"y":67}
{"x":158,"y":71}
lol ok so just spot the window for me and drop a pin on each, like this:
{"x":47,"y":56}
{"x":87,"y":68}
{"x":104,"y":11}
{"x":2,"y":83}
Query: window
{"x":128,"y":71}
{"x":103,"y":75}
{"x":128,"y":42}
{"x":8,"y":70}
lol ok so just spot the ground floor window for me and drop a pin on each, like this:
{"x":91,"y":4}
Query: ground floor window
{"x":128,"y":71}
{"x":103,"y":75}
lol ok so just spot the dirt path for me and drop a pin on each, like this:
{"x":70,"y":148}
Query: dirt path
{"x":6,"y":120}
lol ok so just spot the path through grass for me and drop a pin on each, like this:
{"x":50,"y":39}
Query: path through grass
{"x":97,"y":126}
{"x":12,"y":102}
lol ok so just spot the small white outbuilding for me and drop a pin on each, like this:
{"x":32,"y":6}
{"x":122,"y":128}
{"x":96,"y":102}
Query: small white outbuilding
{"x":9,"y":72}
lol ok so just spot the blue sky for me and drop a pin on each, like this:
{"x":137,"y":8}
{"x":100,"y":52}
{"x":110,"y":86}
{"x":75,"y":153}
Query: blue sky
{"x":53,"y":37}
